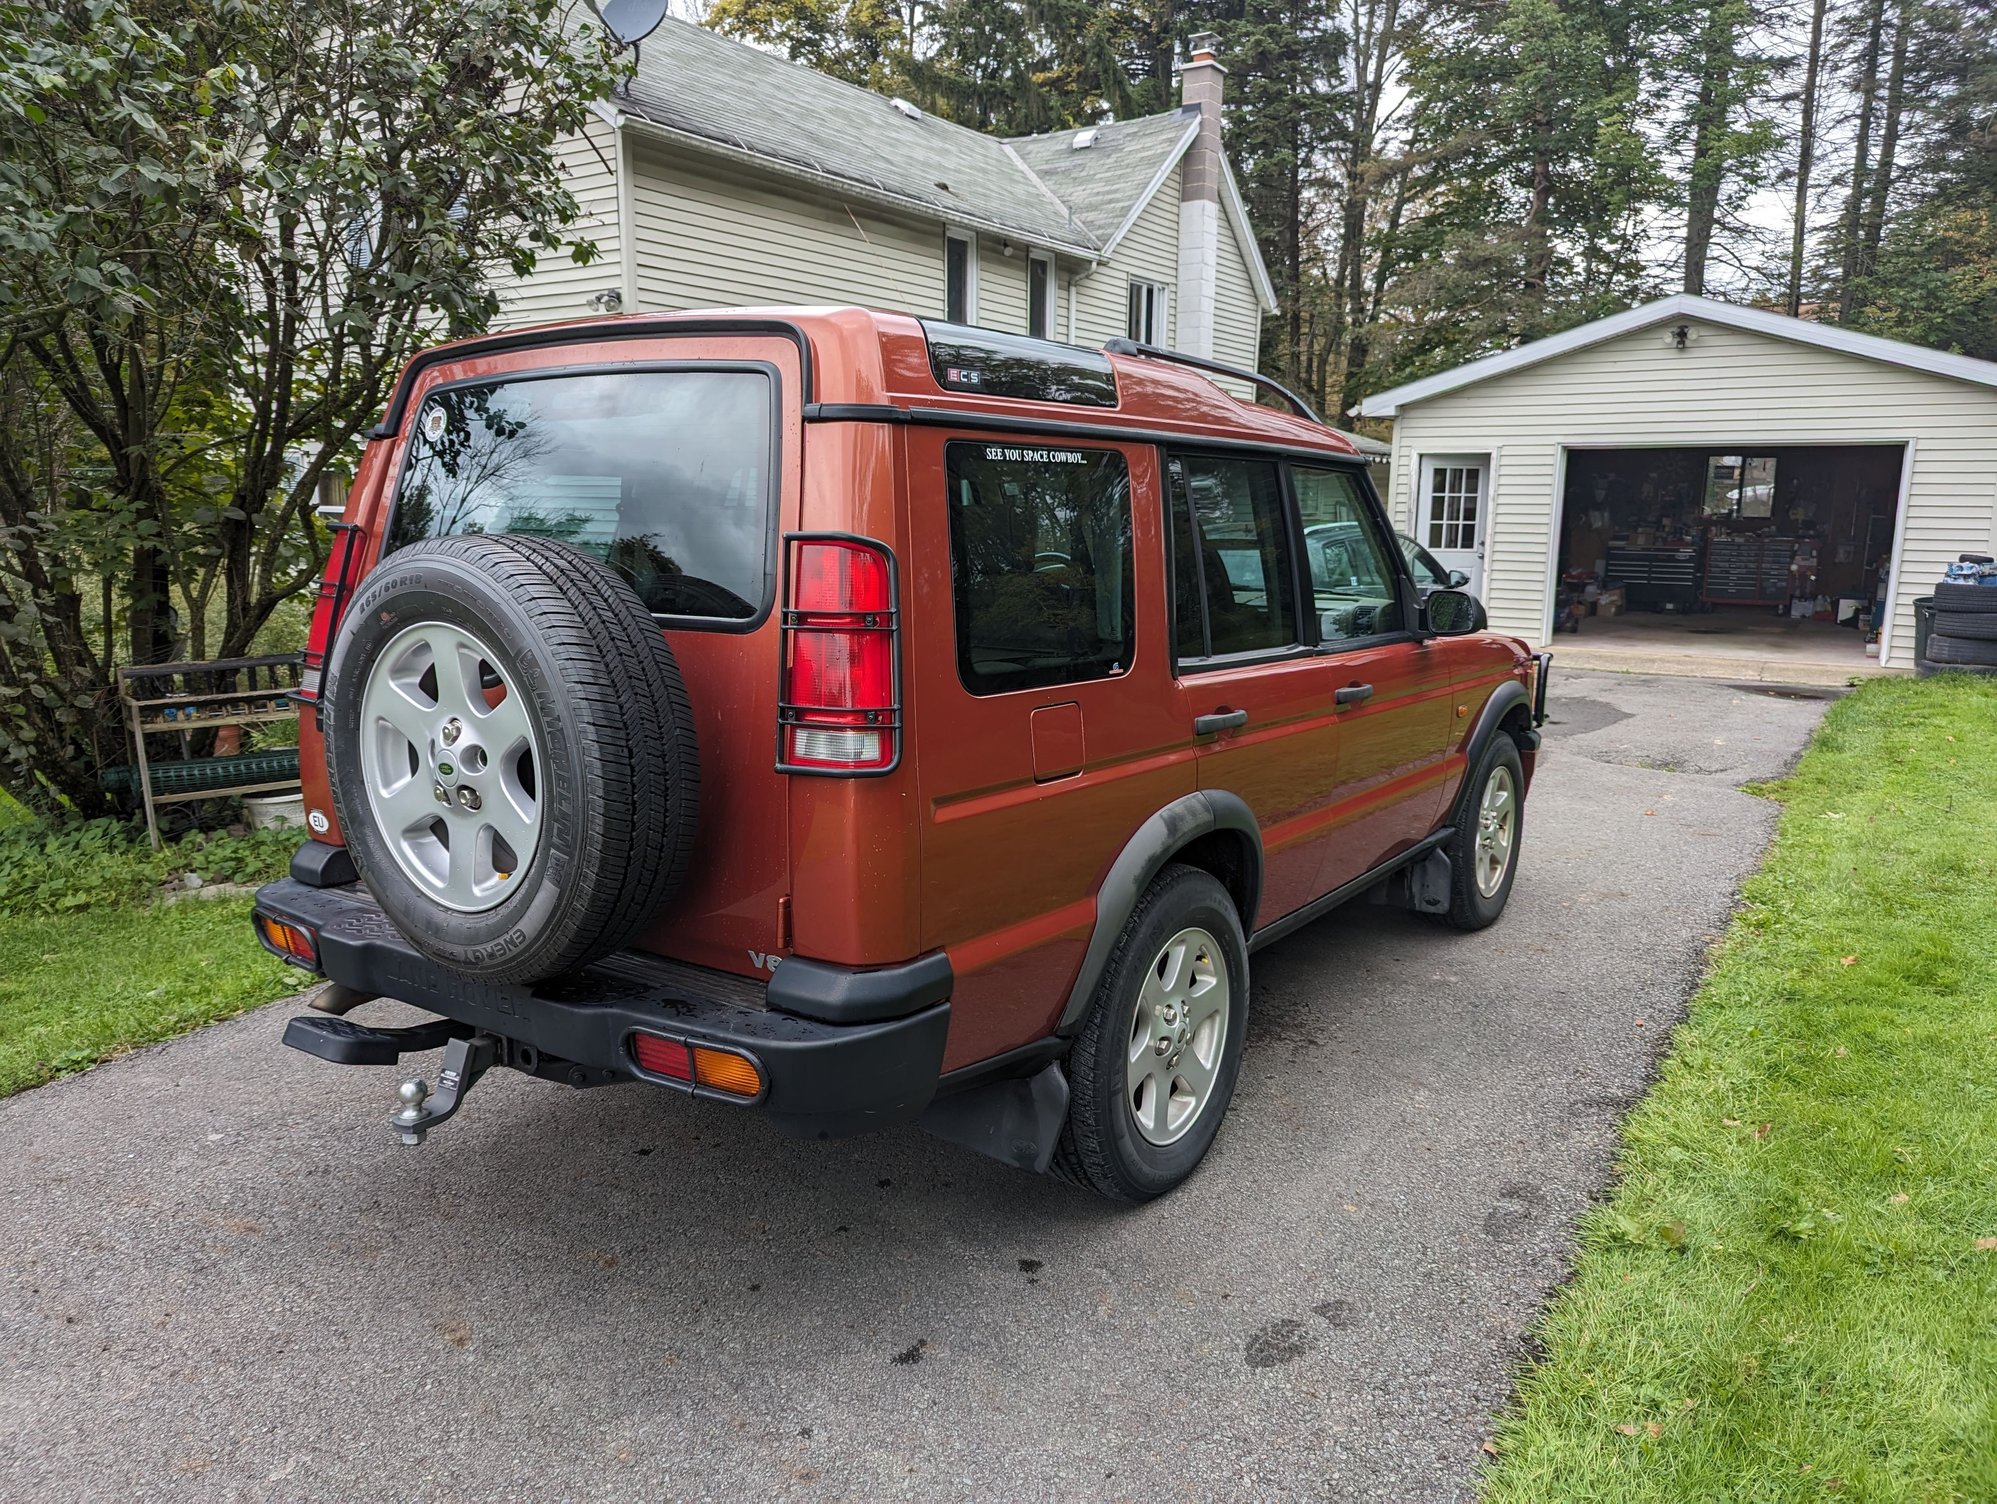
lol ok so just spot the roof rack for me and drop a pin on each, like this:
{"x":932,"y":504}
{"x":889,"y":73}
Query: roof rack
{"x":1303,"y":409}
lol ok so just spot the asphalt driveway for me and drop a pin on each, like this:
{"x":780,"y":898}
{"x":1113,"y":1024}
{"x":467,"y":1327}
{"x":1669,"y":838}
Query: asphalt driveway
{"x":220,"y":1278}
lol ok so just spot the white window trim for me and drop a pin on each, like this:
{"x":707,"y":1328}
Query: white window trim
{"x":970,"y":242}
{"x":1425,"y":488}
{"x":1053,"y":295}
{"x":1161,"y":311}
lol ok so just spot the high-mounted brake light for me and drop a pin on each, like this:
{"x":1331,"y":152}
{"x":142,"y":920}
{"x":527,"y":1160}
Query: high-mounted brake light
{"x":334,"y":587}
{"x":841,"y":705}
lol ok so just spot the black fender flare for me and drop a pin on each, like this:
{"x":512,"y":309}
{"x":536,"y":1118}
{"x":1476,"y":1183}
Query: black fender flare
{"x":1504,"y":699}
{"x":1160,"y":838}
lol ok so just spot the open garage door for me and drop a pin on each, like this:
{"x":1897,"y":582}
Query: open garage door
{"x":1770,"y":560}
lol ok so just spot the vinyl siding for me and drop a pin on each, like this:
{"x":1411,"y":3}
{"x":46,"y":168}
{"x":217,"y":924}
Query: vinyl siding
{"x":558,"y":288}
{"x":1731,"y":388}
{"x":1001,"y":286}
{"x":1149,"y":253}
{"x":709,"y":235}
{"x":1237,"y":316}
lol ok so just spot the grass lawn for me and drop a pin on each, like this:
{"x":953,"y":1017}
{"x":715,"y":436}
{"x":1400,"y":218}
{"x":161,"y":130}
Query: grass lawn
{"x":1792,"y":1293}
{"x":81,"y":987}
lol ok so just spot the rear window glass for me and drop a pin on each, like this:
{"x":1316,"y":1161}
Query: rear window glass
{"x":1041,"y":557}
{"x":664,"y":475}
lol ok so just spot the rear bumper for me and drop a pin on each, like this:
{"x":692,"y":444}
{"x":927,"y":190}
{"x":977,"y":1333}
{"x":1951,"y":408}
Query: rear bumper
{"x":822,"y":1079}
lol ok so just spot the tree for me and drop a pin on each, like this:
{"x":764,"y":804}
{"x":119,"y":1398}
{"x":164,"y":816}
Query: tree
{"x":223,"y":229}
{"x":1806,"y":152}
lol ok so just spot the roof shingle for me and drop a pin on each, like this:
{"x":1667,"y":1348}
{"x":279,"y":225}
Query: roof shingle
{"x":693,"y":81}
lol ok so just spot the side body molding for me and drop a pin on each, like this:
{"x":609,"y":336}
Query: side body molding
{"x":1143,"y":857}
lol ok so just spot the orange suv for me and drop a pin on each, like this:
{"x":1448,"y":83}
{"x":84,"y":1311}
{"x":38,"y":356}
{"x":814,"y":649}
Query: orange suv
{"x":861,"y":720}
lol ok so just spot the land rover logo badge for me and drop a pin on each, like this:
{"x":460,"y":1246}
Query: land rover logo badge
{"x":433,"y":424}
{"x":446,"y":769}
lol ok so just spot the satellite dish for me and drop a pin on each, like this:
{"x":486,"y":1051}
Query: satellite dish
{"x":631,"y":21}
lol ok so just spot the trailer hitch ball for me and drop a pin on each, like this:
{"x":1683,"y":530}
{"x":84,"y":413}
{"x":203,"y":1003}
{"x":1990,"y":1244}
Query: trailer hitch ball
{"x":412,"y":1094}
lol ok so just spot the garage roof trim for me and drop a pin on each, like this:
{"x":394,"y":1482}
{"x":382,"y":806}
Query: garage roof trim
{"x":1388,"y":404}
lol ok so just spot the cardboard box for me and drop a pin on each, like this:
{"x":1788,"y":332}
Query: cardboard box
{"x":1610,"y":602}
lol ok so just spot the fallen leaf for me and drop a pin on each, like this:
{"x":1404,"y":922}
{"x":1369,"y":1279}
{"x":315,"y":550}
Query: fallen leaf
{"x":1986,"y":1245}
{"x":1847,"y":960}
{"x":1730,"y":1122}
{"x":1350,"y":1207}
{"x":1654,"y":1429}
{"x":1650,"y":812}
{"x":1639,"y":1023}
{"x":1627,"y":1430}
{"x":1763,"y":1130}
{"x":1898,"y":1198}
{"x":1839,"y":1052}
{"x":1490,"y":1446}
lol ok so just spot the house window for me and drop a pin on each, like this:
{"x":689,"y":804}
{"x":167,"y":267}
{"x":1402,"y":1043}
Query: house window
{"x":960,"y":277}
{"x":1147,"y":312}
{"x":1040,"y":295}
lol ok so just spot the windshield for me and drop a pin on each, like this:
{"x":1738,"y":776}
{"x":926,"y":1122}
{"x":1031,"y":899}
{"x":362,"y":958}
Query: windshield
{"x":664,"y":475}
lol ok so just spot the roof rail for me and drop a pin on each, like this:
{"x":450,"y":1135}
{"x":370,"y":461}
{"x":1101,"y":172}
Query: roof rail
{"x":1301,"y":408}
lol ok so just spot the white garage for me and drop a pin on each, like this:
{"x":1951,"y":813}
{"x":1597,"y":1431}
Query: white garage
{"x":1705,"y":487}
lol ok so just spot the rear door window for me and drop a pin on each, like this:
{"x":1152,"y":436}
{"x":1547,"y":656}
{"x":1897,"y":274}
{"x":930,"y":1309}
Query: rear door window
{"x":1040,"y":557}
{"x":666,"y":475}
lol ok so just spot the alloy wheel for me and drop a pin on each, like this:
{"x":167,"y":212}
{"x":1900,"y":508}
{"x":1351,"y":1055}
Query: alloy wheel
{"x":452,"y":765}
{"x":1177,"y":1037}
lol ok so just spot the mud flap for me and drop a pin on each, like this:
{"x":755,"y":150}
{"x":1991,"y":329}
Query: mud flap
{"x":1423,"y":886}
{"x":1015,"y":1122}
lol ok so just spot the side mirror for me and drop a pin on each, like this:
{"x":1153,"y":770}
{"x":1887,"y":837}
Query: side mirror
{"x":1448,"y":613}
{"x":1456,"y":579}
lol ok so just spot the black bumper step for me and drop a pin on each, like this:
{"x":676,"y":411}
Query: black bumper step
{"x":345,"y":1042}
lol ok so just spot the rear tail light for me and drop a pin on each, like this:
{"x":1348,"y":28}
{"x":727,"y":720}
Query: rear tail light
{"x":287,"y":941}
{"x":662,"y":1057}
{"x":841,"y":706}
{"x":720,"y":1072}
{"x":334,"y":587}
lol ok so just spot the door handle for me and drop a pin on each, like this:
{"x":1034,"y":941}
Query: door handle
{"x":1220,"y":720}
{"x":1352,"y":694}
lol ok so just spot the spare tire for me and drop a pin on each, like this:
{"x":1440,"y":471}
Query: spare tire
{"x":1981,"y":624}
{"x":1959,"y":595}
{"x":511,"y":753}
{"x":1968,"y":652}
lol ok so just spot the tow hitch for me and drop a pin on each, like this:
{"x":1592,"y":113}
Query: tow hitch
{"x":465,"y":1060}
{"x":467,"y":1056}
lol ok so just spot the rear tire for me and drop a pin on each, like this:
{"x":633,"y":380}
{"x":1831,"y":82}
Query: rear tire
{"x":1490,"y":824}
{"x":1153,"y":1070}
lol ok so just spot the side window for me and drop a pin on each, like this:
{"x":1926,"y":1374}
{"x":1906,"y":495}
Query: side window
{"x":1232,"y":552}
{"x":1040,"y":558}
{"x":1352,"y":565}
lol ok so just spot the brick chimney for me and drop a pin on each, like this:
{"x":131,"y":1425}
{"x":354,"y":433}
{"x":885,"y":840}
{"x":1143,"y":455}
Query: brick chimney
{"x":1201,"y":81}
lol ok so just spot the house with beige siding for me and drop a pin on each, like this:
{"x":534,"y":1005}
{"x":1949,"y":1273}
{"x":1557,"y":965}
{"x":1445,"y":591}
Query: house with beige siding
{"x":724,"y":176}
{"x":1698,"y":487}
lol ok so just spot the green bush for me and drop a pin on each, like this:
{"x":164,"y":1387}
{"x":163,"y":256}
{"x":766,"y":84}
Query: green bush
{"x":57,"y":869}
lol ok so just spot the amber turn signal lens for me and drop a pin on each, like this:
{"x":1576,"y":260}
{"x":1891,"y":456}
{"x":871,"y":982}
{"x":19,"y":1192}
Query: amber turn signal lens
{"x":290,"y":942}
{"x":722,"y":1071}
